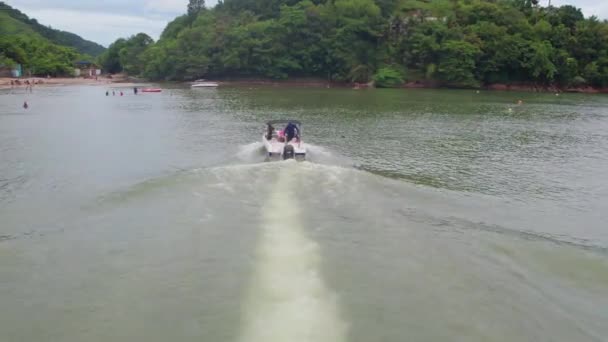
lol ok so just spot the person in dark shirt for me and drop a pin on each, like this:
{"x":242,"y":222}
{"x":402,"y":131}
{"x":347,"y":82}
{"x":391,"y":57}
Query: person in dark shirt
{"x":291,"y":131}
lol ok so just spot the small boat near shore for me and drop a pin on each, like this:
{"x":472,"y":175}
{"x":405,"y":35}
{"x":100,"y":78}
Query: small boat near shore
{"x":204,"y":84}
{"x":151,"y":90}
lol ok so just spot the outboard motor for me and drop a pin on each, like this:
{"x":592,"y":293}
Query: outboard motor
{"x":288,"y":152}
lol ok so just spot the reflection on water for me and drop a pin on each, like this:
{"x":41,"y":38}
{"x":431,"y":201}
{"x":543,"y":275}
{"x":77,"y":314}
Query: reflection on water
{"x":420,"y":215}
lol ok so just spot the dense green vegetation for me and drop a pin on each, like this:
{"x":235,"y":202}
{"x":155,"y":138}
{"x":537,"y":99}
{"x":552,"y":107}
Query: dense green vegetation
{"x":13,"y":21}
{"x":460,"y":43}
{"x":40,"y":50}
{"x":126,"y":55}
{"x":37,"y":55}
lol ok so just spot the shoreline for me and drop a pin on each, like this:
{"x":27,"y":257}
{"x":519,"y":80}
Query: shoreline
{"x":117,"y":81}
{"x":321,"y":83}
{"x":122,"y":81}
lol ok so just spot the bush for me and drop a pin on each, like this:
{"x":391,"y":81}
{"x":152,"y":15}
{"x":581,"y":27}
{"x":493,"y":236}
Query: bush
{"x":388,"y":78}
{"x":578,"y":81}
{"x":6,"y":62}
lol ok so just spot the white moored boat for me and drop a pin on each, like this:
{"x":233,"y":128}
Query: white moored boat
{"x":203,"y":84}
{"x":275,"y":140}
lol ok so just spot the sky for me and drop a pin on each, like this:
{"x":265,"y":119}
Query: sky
{"x":104,"y":21}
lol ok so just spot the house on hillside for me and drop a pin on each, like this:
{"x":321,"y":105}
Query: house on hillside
{"x":86,"y":69}
{"x":8,"y":71}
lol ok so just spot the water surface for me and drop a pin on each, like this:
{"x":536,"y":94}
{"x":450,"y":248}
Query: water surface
{"x":420,"y":215}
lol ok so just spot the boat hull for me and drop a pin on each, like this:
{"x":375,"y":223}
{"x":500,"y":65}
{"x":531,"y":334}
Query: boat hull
{"x":205,"y":85}
{"x":274,"y":149}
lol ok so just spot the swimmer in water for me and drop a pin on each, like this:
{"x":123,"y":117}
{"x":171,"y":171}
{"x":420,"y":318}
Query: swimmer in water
{"x":25,"y":105}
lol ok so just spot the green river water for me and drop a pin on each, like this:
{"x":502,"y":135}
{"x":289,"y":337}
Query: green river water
{"x":420,"y":215}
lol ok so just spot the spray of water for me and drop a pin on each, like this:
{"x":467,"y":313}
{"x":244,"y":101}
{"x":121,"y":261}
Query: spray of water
{"x":288,"y":300}
{"x":251,"y":153}
{"x":255,"y":153}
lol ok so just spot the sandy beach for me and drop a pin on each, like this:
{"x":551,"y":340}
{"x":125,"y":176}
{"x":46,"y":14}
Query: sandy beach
{"x":114,"y":81}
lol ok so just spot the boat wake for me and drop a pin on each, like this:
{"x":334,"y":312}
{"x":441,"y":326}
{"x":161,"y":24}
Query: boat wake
{"x":288,"y":300}
{"x":324,"y":172}
{"x":251,"y":153}
{"x":254,"y":153}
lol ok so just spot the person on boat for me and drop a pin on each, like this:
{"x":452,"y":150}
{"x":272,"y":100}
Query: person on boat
{"x":269,"y":132}
{"x":291,"y":131}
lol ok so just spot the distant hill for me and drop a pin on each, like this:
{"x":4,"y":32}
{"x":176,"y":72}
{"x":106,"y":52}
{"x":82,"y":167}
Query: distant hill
{"x":13,"y":21}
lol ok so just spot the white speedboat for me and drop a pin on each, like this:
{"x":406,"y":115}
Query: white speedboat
{"x":276,"y":144}
{"x":203,"y":84}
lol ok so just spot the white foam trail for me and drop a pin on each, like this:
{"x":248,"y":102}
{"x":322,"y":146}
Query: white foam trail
{"x":321,"y":155}
{"x":251,"y":152}
{"x":288,"y":300}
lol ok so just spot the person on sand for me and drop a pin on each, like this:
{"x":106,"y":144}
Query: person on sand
{"x":135,"y":90}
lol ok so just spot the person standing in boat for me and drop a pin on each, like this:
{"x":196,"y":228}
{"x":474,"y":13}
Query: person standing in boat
{"x":291,"y":131}
{"x":269,"y":132}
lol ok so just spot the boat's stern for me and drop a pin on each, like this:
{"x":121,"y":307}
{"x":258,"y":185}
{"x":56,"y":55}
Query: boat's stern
{"x":299,"y":151}
{"x":276,"y":150}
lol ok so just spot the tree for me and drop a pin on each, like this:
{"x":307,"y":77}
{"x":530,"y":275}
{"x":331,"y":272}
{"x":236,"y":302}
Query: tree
{"x":538,"y":62}
{"x":457,"y":63}
{"x":195,"y":6}
{"x":6,"y":62}
{"x":456,"y":43}
{"x":388,"y":77}
{"x":130,"y":55}
{"x":12,"y":49}
{"x":38,"y":55}
{"x":110,"y":59}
